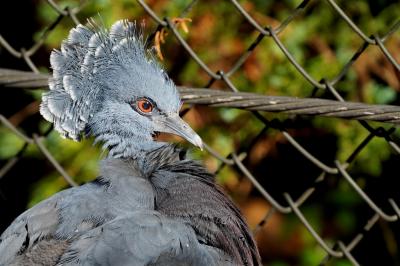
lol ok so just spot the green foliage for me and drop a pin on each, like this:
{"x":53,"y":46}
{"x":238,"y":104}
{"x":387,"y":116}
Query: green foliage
{"x":312,"y":255}
{"x":10,"y":143}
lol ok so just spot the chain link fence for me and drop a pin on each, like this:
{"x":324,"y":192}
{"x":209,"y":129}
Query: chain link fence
{"x":286,"y":203}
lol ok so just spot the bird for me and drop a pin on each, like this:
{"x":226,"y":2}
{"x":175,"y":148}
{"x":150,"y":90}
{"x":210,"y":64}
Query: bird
{"x":151,"y":204}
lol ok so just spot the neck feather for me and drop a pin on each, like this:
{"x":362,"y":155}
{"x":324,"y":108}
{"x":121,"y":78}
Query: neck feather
{"x":132,"y":147}
{"x":148,"y":161}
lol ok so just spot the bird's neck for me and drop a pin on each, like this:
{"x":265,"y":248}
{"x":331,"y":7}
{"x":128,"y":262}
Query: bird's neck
{"x":132,"y":179}
{"x":132,"y":148}
{"x":149,"y":157}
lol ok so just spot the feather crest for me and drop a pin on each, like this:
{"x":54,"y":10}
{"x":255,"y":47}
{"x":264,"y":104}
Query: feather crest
{"x":85,"y":57}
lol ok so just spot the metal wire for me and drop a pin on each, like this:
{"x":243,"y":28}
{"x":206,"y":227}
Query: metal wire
{"x":247,"y":101}
{"x":254,"y":103}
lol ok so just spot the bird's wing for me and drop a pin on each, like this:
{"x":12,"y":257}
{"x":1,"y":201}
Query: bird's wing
{"x":28,"y":229}
{"x":42,"y":233}
{"x":142,"y":238}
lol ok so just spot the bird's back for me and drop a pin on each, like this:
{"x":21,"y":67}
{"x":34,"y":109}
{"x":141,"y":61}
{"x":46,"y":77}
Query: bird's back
{"x":187,"y":192}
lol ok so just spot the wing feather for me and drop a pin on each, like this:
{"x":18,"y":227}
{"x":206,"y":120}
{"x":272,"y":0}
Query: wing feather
{"x":28,"y":229}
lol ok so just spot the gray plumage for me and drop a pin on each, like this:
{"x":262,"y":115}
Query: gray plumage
{"x":150,"y":205}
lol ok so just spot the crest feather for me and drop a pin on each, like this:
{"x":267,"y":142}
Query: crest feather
{"x":86,"y":56}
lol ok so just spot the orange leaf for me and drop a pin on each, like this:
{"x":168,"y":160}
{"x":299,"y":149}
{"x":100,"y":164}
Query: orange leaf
{"x":157,"y":44}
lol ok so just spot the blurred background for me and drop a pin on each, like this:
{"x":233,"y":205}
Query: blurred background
{"x":318,"y":38}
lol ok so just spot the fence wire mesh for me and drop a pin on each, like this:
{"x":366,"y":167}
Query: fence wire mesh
{"x":382,"y":208}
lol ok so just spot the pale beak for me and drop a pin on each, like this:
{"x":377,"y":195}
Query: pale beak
{"x":173,"y":124}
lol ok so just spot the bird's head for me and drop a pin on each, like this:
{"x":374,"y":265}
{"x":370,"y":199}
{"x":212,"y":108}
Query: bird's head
{"x":107,"y":85}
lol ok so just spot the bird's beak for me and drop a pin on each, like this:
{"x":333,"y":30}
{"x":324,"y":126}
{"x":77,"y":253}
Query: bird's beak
{"x":173,"y":124}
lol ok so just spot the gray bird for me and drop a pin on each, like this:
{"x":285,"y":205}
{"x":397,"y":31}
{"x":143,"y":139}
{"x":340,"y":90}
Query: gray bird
{"x":150,"y":205}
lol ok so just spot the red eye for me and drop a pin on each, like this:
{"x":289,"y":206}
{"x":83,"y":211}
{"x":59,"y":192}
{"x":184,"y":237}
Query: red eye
{"x":145,"y":105}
